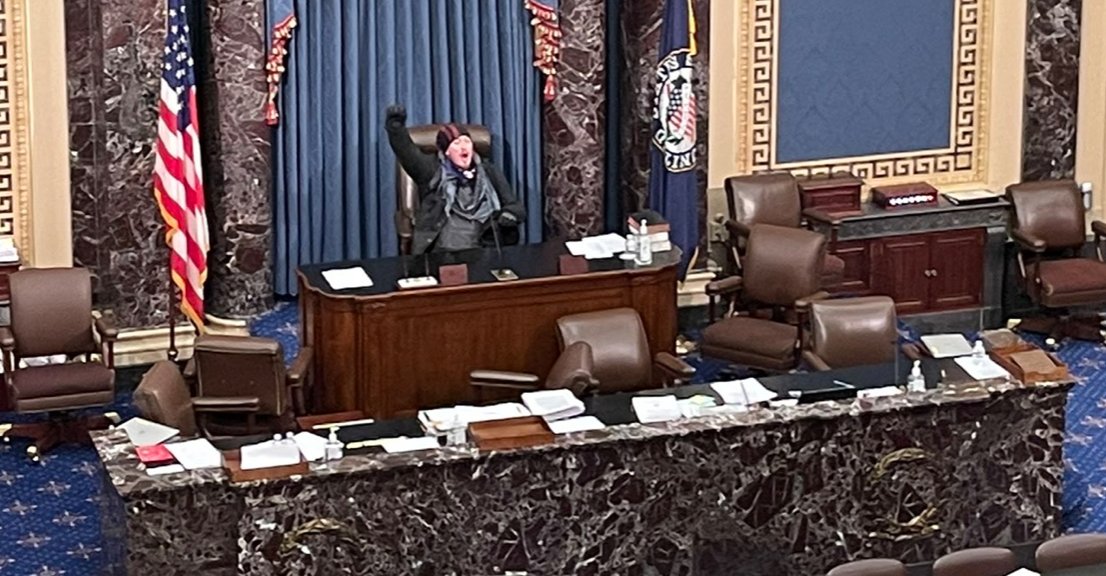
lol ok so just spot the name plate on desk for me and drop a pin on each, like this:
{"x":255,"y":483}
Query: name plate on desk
{"x":454,"y":274}
{"x":570,"y":264}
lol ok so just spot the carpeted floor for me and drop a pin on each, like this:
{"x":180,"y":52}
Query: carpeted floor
{"x":50,"y":523}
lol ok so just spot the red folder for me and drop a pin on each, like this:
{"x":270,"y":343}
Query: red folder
{"x":156,"y":455}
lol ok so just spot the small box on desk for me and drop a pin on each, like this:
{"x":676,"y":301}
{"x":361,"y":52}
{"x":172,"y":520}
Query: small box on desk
{"x":511,"y":433}
{"x":909,"y":195}
{"x":837,"y":193}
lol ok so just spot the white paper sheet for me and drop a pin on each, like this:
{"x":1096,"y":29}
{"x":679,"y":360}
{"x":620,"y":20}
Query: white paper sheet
{"x":439,"y":419}
{"x":597,"y":247}
{"x":743,"y":392}
{"x":553,"y":404}
{"x":143,"y":432}
{"x":396,"y":445}
{"x":163,"y":470}
{"x":196,"y":454}
{"x":346,"y":278}
{"x":696,"y":405}
{"x":879,"y":392}
{"x":270,"y":454}
{"x":981,"y":368}
{"x":947,"y":345}
{"x":312,"y":446}
{"x":651,"y":409}
{"x":581,"y":424}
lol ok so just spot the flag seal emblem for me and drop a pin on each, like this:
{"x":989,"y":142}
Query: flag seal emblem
{"x":674,"y":112}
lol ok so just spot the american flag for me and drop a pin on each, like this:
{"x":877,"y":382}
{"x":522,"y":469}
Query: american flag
{"x":178,"y":176}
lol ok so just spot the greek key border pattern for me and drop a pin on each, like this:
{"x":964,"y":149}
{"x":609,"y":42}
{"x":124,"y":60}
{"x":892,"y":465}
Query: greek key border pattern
{"x":962,"y":161}
{"x":14,"y":128}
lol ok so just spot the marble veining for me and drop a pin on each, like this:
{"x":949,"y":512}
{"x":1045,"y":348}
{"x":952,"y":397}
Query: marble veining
{"x":574,"y":125}
{"x":1051,"y":89}
{"x":786,"y":491}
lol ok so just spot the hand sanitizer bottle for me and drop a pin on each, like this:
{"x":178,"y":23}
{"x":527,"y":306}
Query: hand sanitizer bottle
{"x":333,"y":447}
{"x":456,"y":434}
{"x":630,"y":253}
{"x":916,"y":382}
{"x":978,"y":352}
{"x":645,"y":246}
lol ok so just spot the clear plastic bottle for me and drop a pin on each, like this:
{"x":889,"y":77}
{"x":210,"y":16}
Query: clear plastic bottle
{"x":978,"y":352}
{"x":333,"y":447}
{"x":456,"y":434}
{"x":631,"y":246}
{"x":645,"y":246}
{"x":916,"y":382}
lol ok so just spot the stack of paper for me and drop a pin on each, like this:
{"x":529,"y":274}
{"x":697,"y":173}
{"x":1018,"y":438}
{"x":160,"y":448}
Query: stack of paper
{"x":743,"y":392}
{"x":597,"y":247}
{"x":346,"y":278}
{"x":651,"y":409}
{"x":270,"y":454}
{"x":397,"y":445}
{"x":947,"y":345}
{"x":580,"y":424}
{"x":553,"y":405}
{"x":8,"y":251}
{"x":196,"y":454}
{"x":696,"y":405}
{"x":312,"y":446}
{"x":142,"y":432}
{"x":982,"y":368}
{"x":439,"y":420}
{"x":879,"y":392}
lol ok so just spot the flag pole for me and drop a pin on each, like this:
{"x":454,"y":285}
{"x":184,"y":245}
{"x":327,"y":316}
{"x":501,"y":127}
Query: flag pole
{"x":172,"y":352}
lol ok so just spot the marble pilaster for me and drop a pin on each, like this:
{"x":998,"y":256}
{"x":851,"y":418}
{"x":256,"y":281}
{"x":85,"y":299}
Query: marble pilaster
{"x":1051,"y":89}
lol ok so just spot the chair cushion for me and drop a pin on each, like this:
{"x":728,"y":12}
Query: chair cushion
{"x":753,"y":335}
{"x":977,"y":562}
{"x":73,"y":386}
{"x":1072,"y":282}
{"x":1072,"y":551}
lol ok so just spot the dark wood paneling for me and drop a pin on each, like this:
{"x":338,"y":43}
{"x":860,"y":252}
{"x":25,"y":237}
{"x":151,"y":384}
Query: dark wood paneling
{"x":393,"y":354}
{"x":957,"y":264}
{"x":857,"y":255}
{"x":901,"y":265}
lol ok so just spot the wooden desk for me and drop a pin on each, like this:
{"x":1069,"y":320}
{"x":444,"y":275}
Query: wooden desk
{"x":388,"y":352}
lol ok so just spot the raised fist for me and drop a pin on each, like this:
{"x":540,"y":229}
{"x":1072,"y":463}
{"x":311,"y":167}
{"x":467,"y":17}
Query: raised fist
{"x":397,"y":114}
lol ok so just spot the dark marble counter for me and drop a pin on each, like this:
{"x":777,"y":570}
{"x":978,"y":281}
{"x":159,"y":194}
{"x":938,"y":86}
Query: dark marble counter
{"x":771,"y":491}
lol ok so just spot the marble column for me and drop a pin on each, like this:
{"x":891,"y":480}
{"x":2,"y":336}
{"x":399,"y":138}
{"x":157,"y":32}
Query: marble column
{"x":1051,"y":89}
{"x":641,"y":30}
{"x":114,"y":52}
{"x":237,"y":158}
{"x":574,"y":125}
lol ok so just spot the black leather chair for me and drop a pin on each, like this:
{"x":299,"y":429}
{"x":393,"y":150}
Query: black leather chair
{"x":976,"y":562}
{"x":874,"y":567}
{"x":1073,"y":555}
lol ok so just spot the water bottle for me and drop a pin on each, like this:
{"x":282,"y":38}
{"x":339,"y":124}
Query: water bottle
{"x":631,"y":246}
{"x":333,"y":447}
{"x":978,"y":353}
{"x":645,"y":246}
{"x":455,"y":435}
{"x":916,"y":382}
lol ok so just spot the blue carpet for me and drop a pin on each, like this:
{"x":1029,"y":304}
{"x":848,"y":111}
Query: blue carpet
{"x":50,"y":518}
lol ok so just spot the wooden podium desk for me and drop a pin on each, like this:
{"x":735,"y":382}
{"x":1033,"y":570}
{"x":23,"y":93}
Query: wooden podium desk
{"x":390,"y":352}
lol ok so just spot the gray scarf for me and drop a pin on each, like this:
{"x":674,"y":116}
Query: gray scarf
{"x":477,"y":207}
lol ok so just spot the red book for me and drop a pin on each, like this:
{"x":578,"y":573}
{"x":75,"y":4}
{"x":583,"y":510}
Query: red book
{"x":156,"y":455}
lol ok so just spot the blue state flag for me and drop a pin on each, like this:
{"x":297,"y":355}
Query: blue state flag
{"x":673,"y":189}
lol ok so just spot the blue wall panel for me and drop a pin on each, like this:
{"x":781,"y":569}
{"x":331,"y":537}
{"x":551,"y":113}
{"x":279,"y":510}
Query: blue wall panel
{"x":863,"y":77}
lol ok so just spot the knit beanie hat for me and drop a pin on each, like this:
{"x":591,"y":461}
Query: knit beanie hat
{"x":448,"y":133}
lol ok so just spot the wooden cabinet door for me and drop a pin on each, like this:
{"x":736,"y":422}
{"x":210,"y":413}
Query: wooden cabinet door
{"x":857,"y":255}
{"x":902,"y":263}
{"x":956,"y":269}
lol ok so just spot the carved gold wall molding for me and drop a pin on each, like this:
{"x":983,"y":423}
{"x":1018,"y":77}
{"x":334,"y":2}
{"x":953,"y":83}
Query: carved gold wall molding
{"x":963,"y":160}
{"x":15,"y":161}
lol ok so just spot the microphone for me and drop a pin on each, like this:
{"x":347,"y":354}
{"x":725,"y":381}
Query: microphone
{"x":500,"y":273}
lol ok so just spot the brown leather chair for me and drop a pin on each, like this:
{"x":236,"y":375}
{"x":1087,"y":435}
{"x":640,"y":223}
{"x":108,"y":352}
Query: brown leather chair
{"x":603,"y":351}
{"x":163,"y":397}
{"x":251,"y":367}
{"x":849,"y":332}
{"x":774,"y":198}
{"x":874,"y":567}
{"x":407,"y":193}
{"x":51,"y":314}
{"x":1048,"y":226}
{"x":1073,"y":555}
{"x":782,"y":270}
{"x":976,"y":562}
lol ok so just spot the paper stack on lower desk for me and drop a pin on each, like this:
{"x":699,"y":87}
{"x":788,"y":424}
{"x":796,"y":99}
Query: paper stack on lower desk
{"x":553,"y":405}
{"x":440,"y":420}
{"x":270,"y":454}
{"x":743,"y":392}
{"x":651,"y":409}
{"x":196,"y":454}
{"x":597,"y":247}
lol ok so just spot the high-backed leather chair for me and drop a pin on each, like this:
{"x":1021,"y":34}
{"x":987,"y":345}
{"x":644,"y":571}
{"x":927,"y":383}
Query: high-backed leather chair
{"x":163,"y":397}
{"x":849,"y":332}
{"x":253,"y":367}
{"x":603,"y":351}
{"x":782,"y":269}
{"x":874,"y":567}
{"x":1073,"y":555}
{"x":51,"y":314}
{"x":774,"y":198}
{"x":1048,"y":226}
{"x":977,"y":562}
{"x":407,"y":192}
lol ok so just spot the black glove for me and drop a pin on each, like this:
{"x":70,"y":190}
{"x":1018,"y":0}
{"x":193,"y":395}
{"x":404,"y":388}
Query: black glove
{"x":396,"y":114}
{"x":507,"y":219}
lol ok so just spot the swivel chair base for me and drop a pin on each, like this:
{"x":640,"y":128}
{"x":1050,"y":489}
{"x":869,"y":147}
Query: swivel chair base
{"x":58,"y":429}
{"x":1056,"y":329}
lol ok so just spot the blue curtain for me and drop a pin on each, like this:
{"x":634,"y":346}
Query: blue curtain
{"x":445,"y":60}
